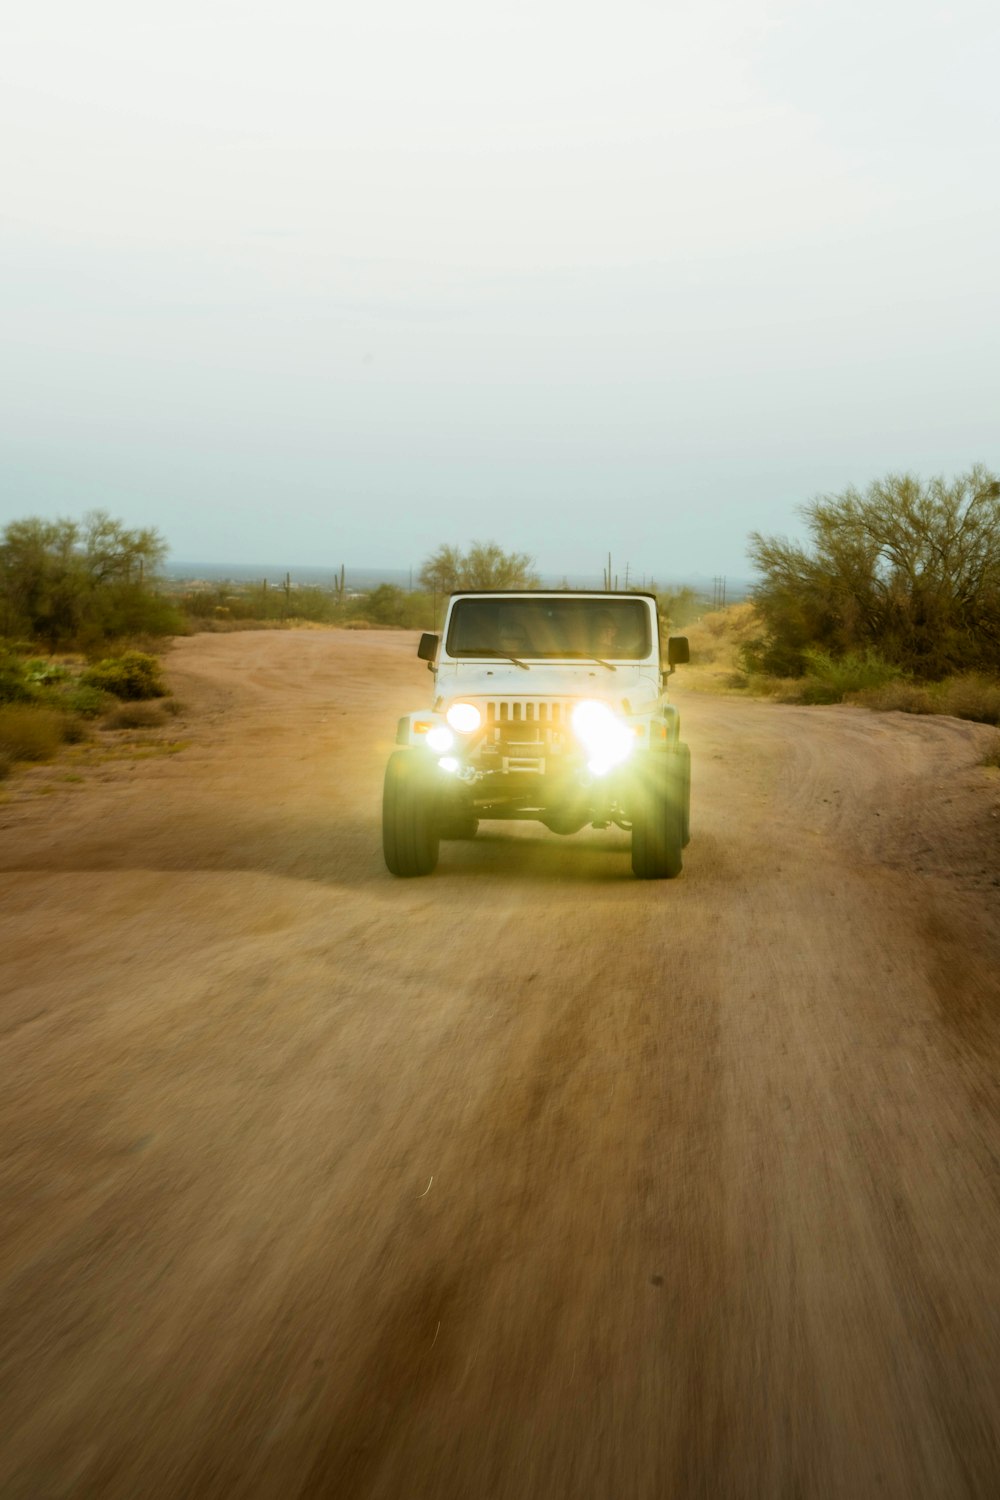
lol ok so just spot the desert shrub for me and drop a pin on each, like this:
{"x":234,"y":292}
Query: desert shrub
{"x":813,"y":691}
{"x":900,"y":696}
{"x":15,"y":684}
{"x":132,"y":675}
{"x":991,"y":758}
{"x":30,"y":733}
{"x":86,"y":701}
{"x":970,"y":696}
{"x":43,"y":674}
{"x":135,"y":716}
{"x":830,"y":679}
{"x":6,"y":763}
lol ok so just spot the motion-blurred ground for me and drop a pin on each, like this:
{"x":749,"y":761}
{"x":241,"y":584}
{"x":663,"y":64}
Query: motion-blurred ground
{"x":524,"y":1180}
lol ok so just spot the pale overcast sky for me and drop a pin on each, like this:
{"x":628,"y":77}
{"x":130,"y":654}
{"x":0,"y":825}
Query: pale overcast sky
{"x":310,"y":283}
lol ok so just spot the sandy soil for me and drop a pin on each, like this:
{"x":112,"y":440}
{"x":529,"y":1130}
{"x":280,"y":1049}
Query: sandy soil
{"x":525,"y":1180}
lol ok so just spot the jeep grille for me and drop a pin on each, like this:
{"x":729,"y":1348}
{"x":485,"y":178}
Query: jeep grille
{"x":524,"y":731}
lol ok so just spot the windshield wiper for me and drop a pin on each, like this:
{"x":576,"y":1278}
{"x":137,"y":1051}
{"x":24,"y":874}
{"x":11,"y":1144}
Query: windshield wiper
{"x":488,"y":651}
{"x":586,"y":656}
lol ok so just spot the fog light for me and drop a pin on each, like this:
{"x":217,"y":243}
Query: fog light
{"x":439,"y":738}
{"x":448,"y":763}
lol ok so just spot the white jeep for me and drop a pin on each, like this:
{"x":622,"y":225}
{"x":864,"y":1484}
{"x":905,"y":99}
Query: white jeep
{"x":549,"y":706}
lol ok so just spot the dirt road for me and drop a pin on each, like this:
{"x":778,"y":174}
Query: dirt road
{"x":525,"y":1180}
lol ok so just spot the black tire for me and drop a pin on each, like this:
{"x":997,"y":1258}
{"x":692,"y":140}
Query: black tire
{"x":683,"y":754}
{"x":658,"y":817}
{"x":409,"y":815}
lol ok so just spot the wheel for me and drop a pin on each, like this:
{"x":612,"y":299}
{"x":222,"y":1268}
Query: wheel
{"x":683,"y":754}
{"x":658,"y":818}
{"x":409,"y":815}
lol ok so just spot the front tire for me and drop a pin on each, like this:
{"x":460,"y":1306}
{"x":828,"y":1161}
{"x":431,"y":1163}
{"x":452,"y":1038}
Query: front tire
{"x":409,"y":816}
{"x":658,"y":818}
{"x":683,"y":754}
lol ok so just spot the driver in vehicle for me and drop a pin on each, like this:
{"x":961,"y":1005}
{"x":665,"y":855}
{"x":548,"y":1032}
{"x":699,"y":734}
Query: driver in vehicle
{"x":605,"y":635}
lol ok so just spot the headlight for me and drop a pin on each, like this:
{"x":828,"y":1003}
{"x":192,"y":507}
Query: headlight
{"x":464,"y":717}
{"x":603,"y":736}
{"x":440,"y":739}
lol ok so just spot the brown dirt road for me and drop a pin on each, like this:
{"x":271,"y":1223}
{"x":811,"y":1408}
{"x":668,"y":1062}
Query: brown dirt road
{"x":525,"y":1180}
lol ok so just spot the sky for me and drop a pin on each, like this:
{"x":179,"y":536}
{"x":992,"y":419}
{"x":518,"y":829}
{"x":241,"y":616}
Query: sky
{"x":316,"y":283}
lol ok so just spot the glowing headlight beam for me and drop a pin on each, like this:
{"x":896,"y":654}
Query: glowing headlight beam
{"x":440,"y":739}
{"x":606,"y":740}
{"x":464,"y":717}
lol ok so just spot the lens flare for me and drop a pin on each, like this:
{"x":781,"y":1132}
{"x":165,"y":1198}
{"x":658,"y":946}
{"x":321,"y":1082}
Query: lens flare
{"x":603,"y":736}
{"x":464,"y":717}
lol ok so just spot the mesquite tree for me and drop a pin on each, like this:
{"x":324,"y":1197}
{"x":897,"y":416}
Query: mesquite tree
{"x":907,"y":568}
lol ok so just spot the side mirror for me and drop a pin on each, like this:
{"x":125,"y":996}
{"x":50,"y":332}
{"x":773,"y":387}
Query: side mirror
{"x":427,"y":650}
{"x":678,"y":651}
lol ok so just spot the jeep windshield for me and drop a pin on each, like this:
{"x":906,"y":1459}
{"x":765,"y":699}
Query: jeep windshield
{"x":550,"y":629}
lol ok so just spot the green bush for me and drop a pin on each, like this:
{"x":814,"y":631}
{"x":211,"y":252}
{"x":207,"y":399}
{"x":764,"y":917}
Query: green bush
{"x":831,"y":679}
{"x":15,"y":684}
{"x":45,"y":673}
{"x":30,"y":733}
{"x":88,"y":702}
{"x":130,"y":676}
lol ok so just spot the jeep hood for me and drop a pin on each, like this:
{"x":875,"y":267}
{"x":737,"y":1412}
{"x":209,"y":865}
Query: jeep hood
{"x":635,"y":682}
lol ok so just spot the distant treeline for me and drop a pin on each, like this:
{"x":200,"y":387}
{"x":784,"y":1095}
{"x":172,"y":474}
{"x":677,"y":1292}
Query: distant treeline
{"x":905,"y":573}
{"x":80,"y":585}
